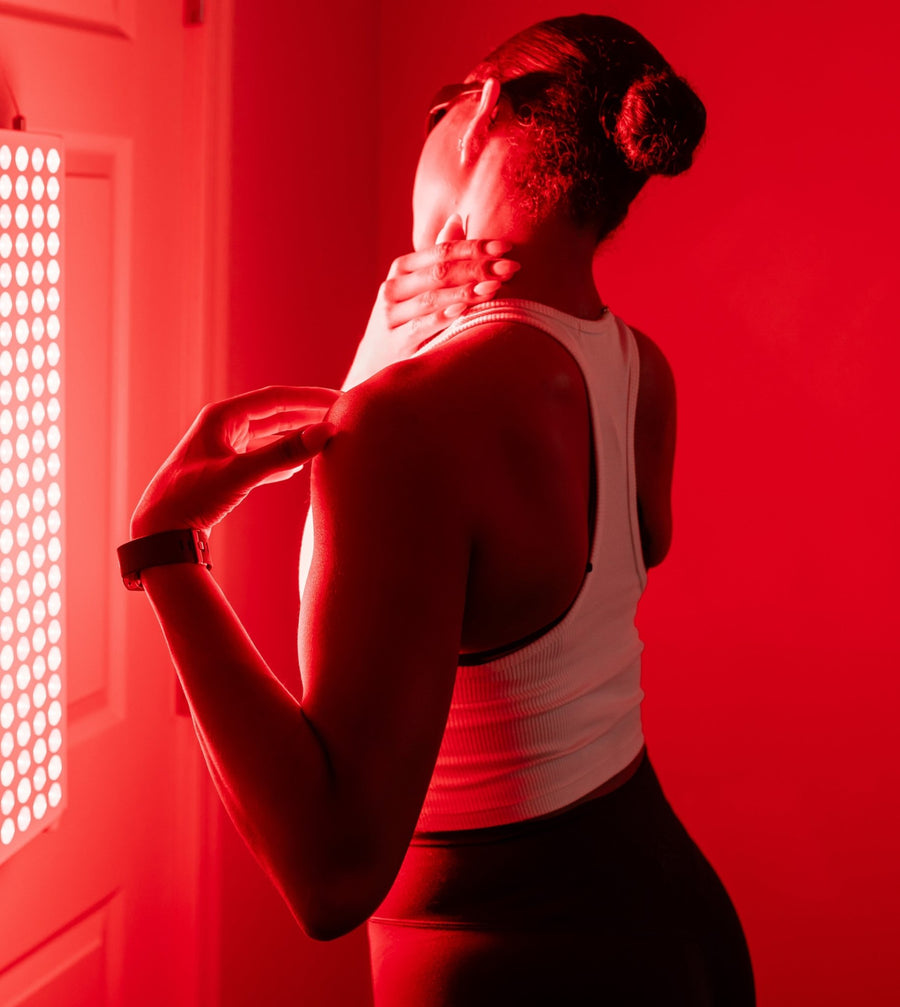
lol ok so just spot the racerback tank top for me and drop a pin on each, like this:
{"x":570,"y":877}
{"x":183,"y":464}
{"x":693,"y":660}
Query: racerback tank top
{"x":535,"y":729}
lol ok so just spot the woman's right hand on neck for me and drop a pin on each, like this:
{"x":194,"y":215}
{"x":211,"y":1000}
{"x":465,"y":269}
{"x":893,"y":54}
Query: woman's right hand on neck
{"x":424,"y":292}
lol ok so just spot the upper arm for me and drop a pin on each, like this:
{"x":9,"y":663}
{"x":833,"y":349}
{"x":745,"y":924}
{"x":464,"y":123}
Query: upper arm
{"x":654,"y":445}
{"x":382,"y":614}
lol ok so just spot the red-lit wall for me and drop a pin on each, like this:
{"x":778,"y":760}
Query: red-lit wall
{"x":771,"y":662}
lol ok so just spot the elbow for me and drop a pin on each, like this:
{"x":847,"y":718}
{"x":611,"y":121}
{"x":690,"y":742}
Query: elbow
{"x":330,"y":907}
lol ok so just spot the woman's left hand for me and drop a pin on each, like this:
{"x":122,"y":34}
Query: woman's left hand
{"x":232,"y":446}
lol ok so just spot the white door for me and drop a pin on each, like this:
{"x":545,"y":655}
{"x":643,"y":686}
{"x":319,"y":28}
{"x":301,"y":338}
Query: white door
{"x":102,"y":907}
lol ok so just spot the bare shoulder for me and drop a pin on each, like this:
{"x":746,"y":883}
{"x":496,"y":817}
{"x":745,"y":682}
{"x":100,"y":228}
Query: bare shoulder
{"x":657,"y":384}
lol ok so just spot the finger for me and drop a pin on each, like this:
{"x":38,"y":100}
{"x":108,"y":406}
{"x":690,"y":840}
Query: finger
{"x":263,"y":403}
{"x":439,"y":302}
{"x":451,"y":251}
{"x":453,"y":230}
{"x":282,"y":458}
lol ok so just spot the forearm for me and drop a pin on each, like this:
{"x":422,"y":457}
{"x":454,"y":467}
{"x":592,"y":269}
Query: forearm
{"x":268,"y":764}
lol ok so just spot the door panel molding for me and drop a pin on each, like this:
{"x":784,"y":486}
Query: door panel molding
{"x":109,"y":17}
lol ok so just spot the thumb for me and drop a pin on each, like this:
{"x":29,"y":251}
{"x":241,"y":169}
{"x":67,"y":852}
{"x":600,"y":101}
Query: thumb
{"x":452,"y":230}
{"x":285,"y":456}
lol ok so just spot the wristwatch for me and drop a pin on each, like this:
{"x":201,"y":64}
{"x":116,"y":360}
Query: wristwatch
{"x":185,"y":545}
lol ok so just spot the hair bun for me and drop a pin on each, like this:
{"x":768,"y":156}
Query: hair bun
{"x":660,"y":124}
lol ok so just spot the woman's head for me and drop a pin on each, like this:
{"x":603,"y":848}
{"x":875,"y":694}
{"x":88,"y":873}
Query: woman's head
{"x":589,"y":110}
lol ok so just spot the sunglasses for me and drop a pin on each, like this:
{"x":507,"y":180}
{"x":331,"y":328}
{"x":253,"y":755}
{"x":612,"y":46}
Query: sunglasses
{"x":442,"y":101}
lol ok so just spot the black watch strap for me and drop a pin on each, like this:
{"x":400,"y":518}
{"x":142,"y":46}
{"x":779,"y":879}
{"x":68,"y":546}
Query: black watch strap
{"x":186,"y":545}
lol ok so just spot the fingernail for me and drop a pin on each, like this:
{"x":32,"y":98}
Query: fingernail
{"x":505,"y":268}
{"x":498,"y":247}
{"x":454,"y":310}
{"x":487,"y":287}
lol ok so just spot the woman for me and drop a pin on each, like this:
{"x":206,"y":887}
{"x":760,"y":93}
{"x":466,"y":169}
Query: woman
{"x":466,"y":766}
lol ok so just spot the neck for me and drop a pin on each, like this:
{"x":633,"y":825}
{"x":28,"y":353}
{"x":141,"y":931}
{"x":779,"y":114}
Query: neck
{"x":557,"y":263}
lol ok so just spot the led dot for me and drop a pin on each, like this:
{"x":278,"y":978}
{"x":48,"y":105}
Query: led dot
{"x":6,"y":744}
{"x":54,"y":715}
{"x":5,"y":271}
{"x":6,"y":245}
{"x":22,"y":592}
{"x":5,"y":328}
{"x":40,"y":750}
{"x":53,"y":216}
{"x":23,"y":563}
{"x":23,"y":791}
{"x":5,"y":393}
{"x":6,"y":802}
{"x":37,"y":220}
{"x":6,"y":480}
{"x":22,"y":330}
{"x":54,"y":767}
{"x":5,"y":186}
{"x":54,"y":741}
{"x":23,"y":677}
{"x":39,"y":584}
{"x":40,"y":697}
{"x":24,"y":819}
{"x":53,"y":410}
{"x":38,"y":441}
{"x":22,"y":417}
{"x":40,"y":806}
{"x":7,"y":772}
{"x":53,"y":160}
{"x":6,"y":686}
{"x":6,"y":451}
{"x":23,"y":620}
{"x":53,"y":243}
{"x":23,"y":446}
{"x":38,"y":667}
{"x":7,"y":713}
{"x":53,"y":189}
{"x":38,"y":556}
{"x":7,"y":831}
{"x":53,"y":524}
{"x":5,"y":216}
{"x":39,"y":612}
{"x":37,"y":301}
{"x":39,"y":640}
{"x":21,"y":245}
{"x":6,"y":566}
{"x":23,"y":734}
{"x":37,"y":326}
{"x":38,"y":528}
{"x":22,"y":388}
{"x":37,"y":385}
{"x":22,"y":209}
{"x":22,"y":274}
{"x":37,"y":244}
{"x":54,"y":796}
{"x":21,"y":193}
{"x":6,"y":422}
{"x":23,"y":648}
{"x":53,"y":494}
{"x":21,"y":302}
{"x":53,"y":354}
{"x":21,"y":158}
{"x":37,"y":470}
{"x":6,"y":540}
{"x":39,"y":778}
{"x":6,"y":631}
{"x":53,"y":381}
{"x":37,"y":188}
{"x":54,"y":658}
{"x":38,"y":500}
{"x":23,"y":705}
{"x":54,"y":631}
{"x":37,"y":357}
{"x":37,"y":159}
{"x":5,"y":304}
{"x":53,"y":437}
{"x":54,"y":603}
{"x":5,"y":157}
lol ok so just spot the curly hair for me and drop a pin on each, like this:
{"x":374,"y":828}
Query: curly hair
{"x":599,"y":111}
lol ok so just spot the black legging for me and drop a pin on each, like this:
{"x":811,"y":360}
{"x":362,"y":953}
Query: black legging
{"x":611,"y":903}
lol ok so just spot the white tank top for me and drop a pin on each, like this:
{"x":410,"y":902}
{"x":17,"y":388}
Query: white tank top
{"x":538,"y":728}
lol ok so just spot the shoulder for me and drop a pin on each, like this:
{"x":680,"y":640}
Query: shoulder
{"x":657,"y":381}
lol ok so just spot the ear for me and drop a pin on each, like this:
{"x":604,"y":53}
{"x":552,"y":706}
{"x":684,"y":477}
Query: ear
{"x":476,"y":134}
